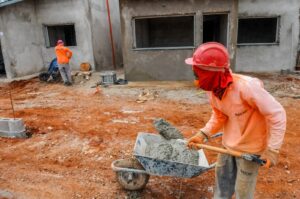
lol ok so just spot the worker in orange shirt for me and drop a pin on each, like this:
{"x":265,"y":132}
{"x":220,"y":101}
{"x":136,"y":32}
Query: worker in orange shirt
{"x":252,"y":120}
{"x":64,"y":55}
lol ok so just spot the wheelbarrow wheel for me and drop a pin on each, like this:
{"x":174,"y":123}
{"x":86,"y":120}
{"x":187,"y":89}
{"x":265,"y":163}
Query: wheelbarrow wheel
{"x":131,"y":180}
{"x":44,"y":76}
{"x":56,"y":77}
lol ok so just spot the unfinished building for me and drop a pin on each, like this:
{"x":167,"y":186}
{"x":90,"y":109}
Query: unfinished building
{"x":29,"y":30}
{"x":260,"y":35}
{"x":268,"y":36}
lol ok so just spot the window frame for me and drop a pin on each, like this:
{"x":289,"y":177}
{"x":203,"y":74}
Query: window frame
{"x":46,"y":33}
{"x":277,"y":42}
{"x":134,"y":44}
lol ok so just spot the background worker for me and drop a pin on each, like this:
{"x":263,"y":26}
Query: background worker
{"x":64,"y":55}
{"x":252,"y":120}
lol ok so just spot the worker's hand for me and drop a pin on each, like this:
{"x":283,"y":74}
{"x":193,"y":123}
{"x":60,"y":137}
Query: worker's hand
{"x":271,"y":156}
{"x":196,"y":139}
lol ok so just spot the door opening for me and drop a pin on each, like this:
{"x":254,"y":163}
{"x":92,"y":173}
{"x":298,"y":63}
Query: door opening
{"x":2,"y":66}
{"x":215,"y":28}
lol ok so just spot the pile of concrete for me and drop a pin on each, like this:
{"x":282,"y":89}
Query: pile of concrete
{"x":169,"y":148}
{"x":166,"y":130}
{"x":174,"y":151}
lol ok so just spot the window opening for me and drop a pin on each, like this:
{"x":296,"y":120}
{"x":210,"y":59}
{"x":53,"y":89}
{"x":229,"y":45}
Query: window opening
{"x":2,"y":65}
{"x":63,"y":32}
{"x":257,"y":30}
{"x":215,"y":28}
{"x":163,"y":32}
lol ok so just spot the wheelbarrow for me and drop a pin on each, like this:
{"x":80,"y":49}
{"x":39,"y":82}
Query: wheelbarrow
{"x":133,"y":174}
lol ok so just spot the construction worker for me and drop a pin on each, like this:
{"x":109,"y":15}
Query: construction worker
{"x":64,"y":55}
{"x":252,"y":121}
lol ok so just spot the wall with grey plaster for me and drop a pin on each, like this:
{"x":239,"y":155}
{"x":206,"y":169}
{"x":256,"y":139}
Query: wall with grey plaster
{"x":101,"y":34}
{"x":58,"y":12}
{"x":23,"y":41}
{"x":271,"y":57}
{"x":163,"y":64}
{"x":20,"y":44}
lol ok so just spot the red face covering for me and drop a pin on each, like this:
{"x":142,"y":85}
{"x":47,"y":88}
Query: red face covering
{"x":212,"y":80}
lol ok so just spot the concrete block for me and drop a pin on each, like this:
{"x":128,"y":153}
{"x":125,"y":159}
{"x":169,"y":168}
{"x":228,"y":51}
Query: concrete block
{"x":12,"y":128}
{"x":108,"y":77}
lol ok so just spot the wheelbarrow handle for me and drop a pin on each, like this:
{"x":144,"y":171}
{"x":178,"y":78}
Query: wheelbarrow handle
{"x":249,"y":157}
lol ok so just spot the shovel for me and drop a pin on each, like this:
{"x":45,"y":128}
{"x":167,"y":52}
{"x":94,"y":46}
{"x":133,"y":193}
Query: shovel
{"x":245,"y":156}
{"x":249,"y":157}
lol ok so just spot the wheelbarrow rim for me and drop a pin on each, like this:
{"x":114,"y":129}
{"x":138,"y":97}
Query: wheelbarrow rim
{"x":210,"y":166}
{"x":122,"y":169}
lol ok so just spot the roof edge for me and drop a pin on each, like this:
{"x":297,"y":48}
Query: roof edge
{"x":8,"y":2}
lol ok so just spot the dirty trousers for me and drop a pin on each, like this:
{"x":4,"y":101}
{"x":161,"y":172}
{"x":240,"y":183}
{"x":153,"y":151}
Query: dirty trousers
{"x":235,"y":175}
{"x":65,"y":72}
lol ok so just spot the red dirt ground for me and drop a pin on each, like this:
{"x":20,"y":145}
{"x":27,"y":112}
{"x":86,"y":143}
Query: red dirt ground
{"x":76,"y":136}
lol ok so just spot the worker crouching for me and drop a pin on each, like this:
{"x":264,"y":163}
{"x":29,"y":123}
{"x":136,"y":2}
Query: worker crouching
{"x":253,"y":122}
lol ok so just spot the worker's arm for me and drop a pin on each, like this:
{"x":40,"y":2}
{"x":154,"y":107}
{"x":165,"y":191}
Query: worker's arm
{"x":215,"y":123}
{"x":257,"y":97}
{"x":69,"y":53}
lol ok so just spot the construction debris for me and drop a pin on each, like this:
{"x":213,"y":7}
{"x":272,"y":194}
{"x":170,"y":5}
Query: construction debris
{"x":80,"y":76}
{"x":147,"y":96}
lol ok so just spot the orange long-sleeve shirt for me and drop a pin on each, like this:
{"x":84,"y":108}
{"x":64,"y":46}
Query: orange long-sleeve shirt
{"x":249,"y":116}
{"x":63,"y":54}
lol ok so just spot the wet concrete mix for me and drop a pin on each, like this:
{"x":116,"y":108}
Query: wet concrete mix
{"x":169,"y":148}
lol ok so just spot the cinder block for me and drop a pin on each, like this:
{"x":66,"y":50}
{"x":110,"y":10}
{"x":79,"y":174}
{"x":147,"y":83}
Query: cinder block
{"x":108,"y":77}
{"x":12,"y":128}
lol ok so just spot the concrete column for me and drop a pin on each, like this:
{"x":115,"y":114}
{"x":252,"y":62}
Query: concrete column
{"x":233,"y":32}
{"x":198,"y":28}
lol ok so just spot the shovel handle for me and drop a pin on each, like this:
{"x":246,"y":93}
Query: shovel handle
{"x":249,"y":157}
{"x":220,"y":150}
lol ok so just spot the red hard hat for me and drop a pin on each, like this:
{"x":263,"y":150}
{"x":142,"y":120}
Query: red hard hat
{"x":210,"y":56}
{"x":60,"y":42}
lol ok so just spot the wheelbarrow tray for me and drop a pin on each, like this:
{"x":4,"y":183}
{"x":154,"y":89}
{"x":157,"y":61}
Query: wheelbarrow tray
{"x":162,"y":167}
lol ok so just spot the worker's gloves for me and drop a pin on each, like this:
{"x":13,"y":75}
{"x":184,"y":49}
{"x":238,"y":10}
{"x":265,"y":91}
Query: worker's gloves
{"x":199,"y":138}
{"x":271,"y":156}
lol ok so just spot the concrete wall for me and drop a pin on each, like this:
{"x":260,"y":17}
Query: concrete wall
{"x":23,"y":41}
{"x":20,"y":40}
{"x":59,"y":12}
{"x":166,"y":64}
{"x":101,"y":34}
{"x":259,"y":58}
